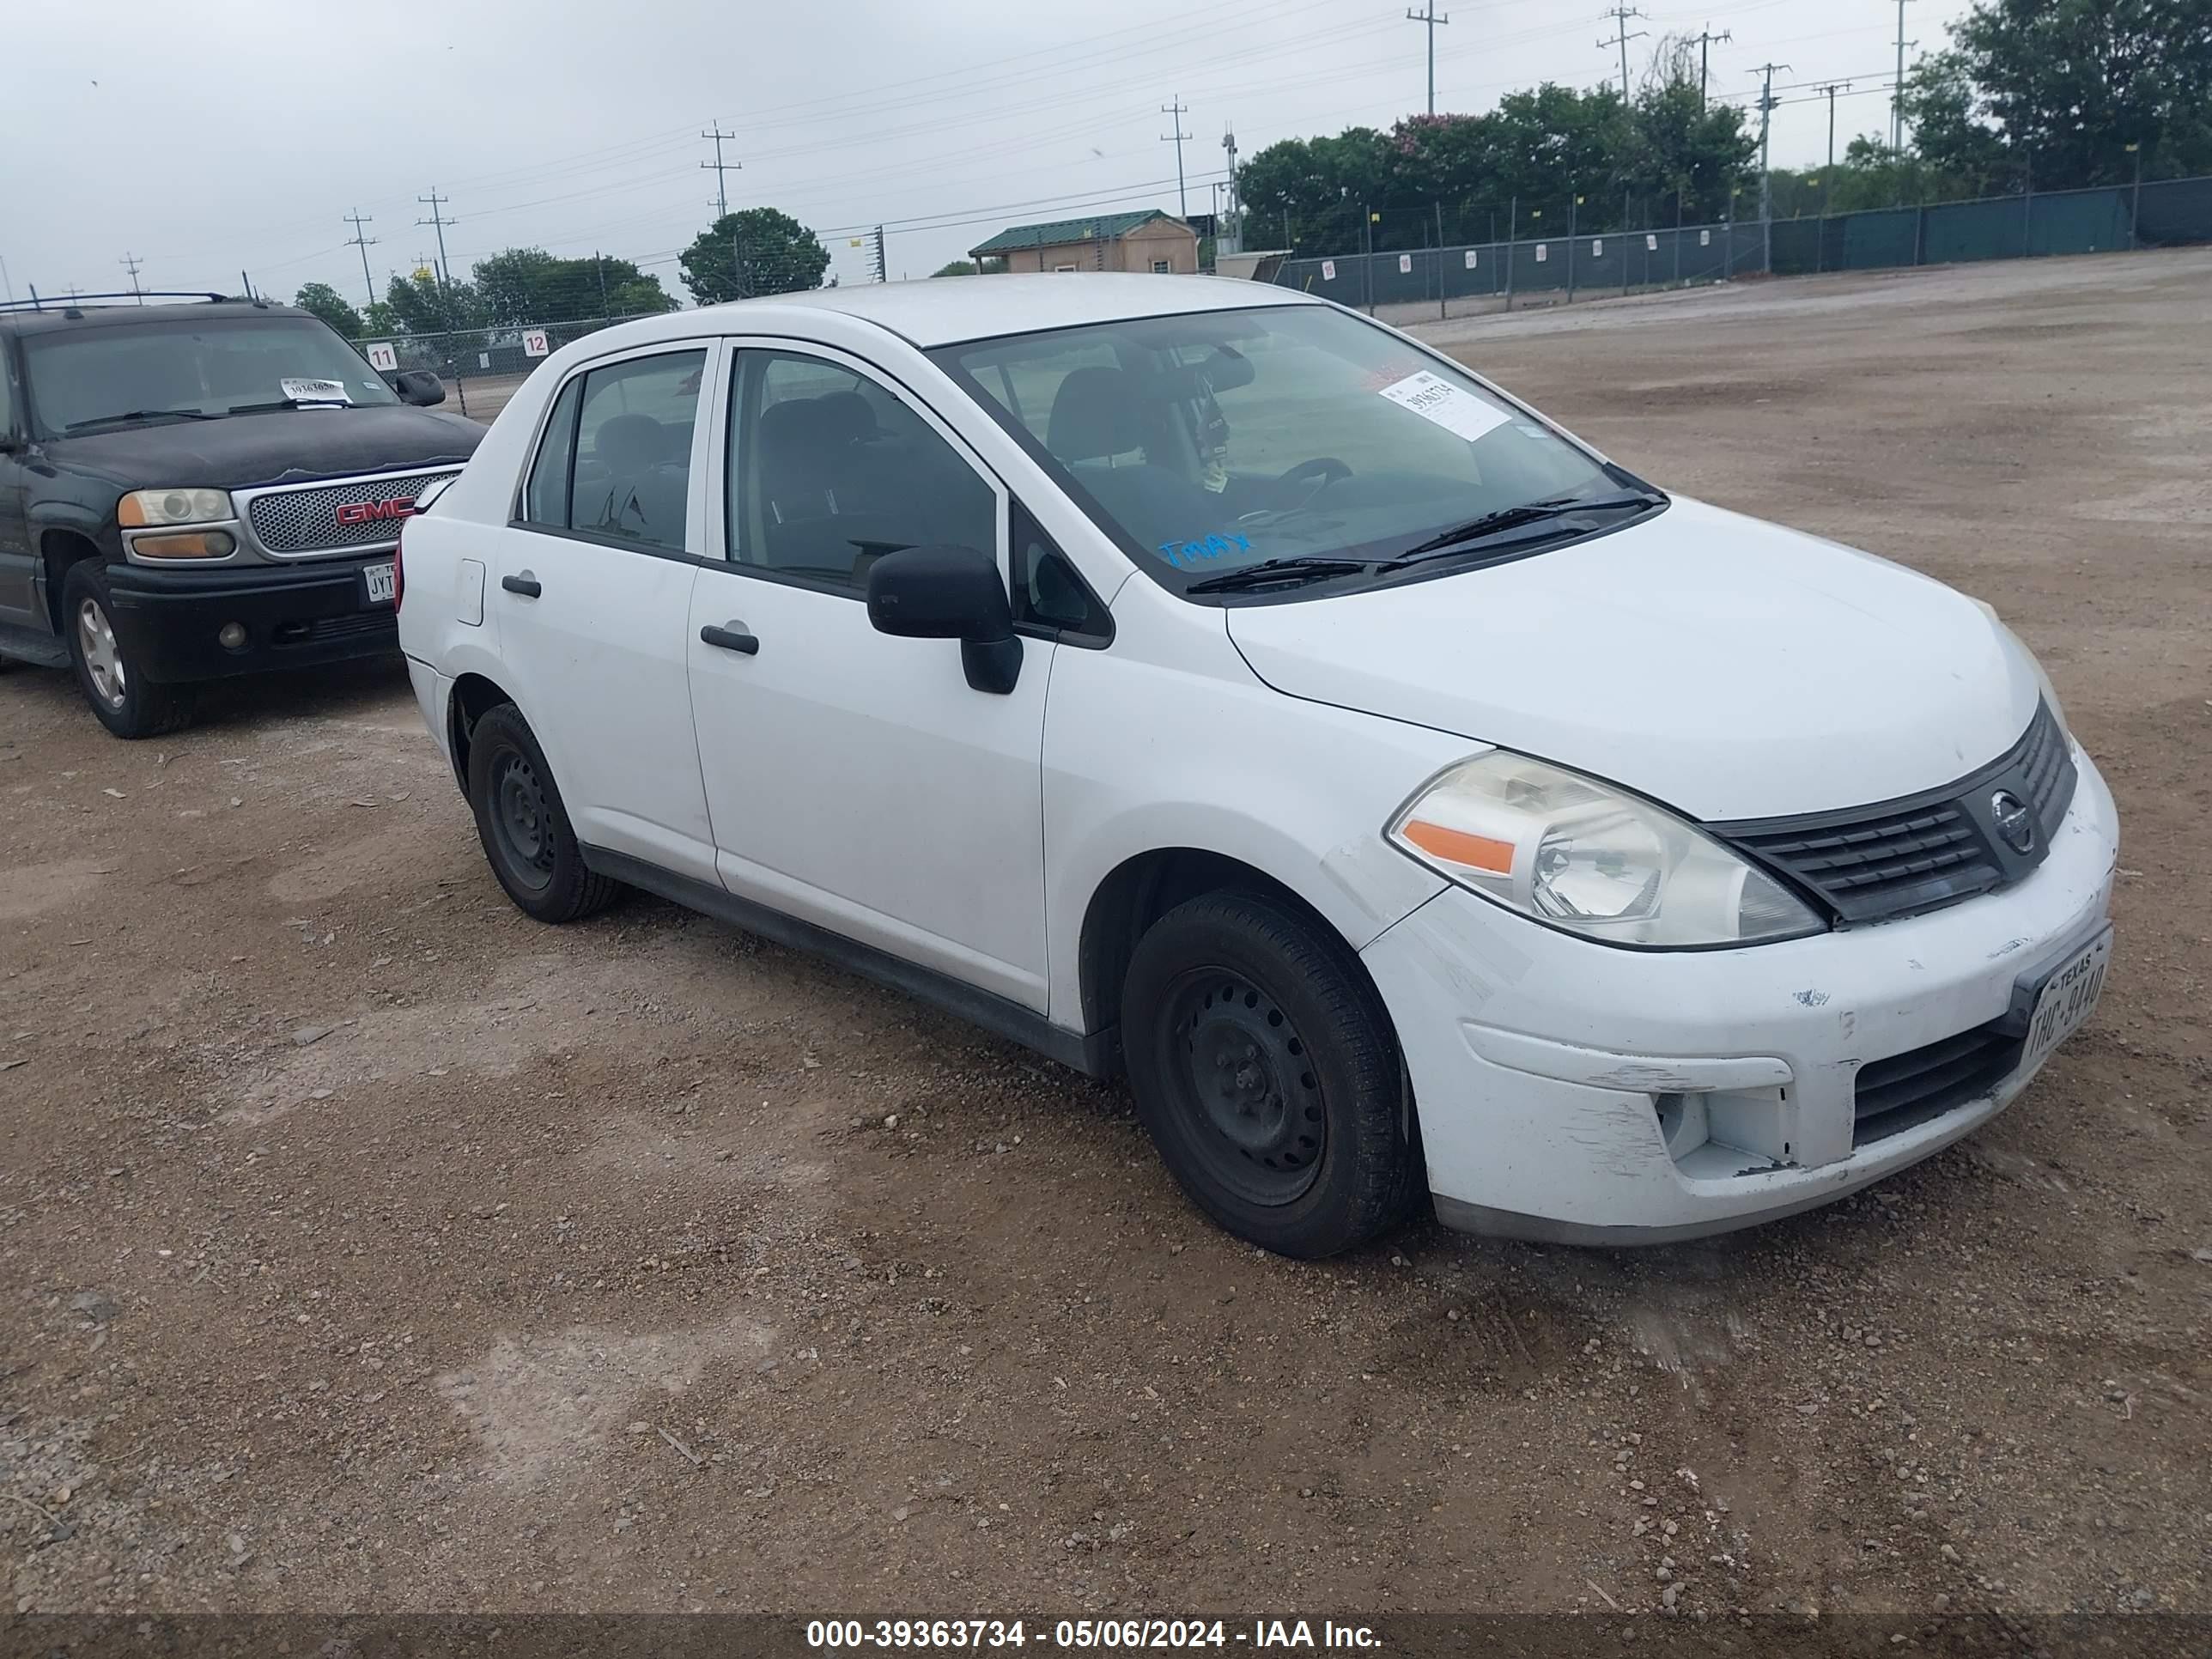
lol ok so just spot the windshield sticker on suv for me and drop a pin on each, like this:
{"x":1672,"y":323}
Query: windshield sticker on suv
{"x":1435,"y":399}
{"x":314,"y":391}
{"x":1185,"y":556}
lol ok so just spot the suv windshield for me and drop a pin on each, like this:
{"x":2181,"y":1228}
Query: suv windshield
{"x":1212,"y":441}
{"x":81,"y":377}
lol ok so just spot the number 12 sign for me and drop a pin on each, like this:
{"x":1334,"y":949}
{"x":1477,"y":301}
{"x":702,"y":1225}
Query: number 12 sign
{"x":534,"y":344}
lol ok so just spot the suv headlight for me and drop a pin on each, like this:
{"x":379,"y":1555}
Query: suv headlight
{"x":141,"y":508}
{"x":1578,"y":854}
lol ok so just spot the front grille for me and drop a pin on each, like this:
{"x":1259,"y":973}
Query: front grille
{"x":1907,"y":1089}
{"x":383,"y":620}
{"x":1901,"y":857}
{"x":294,"y":521}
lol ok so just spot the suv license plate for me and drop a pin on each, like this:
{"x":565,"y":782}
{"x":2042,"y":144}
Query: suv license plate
{"x":2066,"y":999}
{"x":382,"y":589}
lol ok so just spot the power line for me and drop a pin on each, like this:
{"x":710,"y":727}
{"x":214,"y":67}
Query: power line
{"x":1621,"y":13}
{"x":1897,"y":102}
{"x":719,"y":167}
{"x":435,"y":203}
{"x":1430,"y":16}
{"x":1178,"y":109}
{"x":364,"y":243}
{"x":1705,"y":38}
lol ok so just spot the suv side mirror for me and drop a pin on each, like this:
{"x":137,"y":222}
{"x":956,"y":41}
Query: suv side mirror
{"x":946,"y":592}
{"x":419,"y":387}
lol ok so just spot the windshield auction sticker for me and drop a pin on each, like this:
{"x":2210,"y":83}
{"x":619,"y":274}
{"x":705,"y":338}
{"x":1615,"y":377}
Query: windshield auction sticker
{"x":314,"y":391}
{"x":1434,"y":398}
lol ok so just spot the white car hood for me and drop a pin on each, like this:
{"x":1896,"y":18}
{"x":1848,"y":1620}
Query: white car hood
{"x":1727,"y":668}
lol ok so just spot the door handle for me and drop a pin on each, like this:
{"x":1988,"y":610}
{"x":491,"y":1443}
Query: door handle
{"x":529,"y":586}
{"x":732,"y":638}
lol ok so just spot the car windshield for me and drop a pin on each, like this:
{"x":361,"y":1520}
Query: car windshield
{"x":1211,"y":441}
{"x":86,"y":377}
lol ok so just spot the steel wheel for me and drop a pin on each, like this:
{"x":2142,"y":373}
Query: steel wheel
{"x":522,"y":821}
{"x":1248,"y":1085}
{"x":103,"y":657}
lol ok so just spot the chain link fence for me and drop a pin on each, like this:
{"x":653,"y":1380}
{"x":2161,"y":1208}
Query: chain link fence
{"x":482,"y":367}
{"x":1554,"y":257}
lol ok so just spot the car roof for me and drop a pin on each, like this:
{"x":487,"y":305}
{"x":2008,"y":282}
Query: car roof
{"x":944,"y":310}
{"x":57,"y":314}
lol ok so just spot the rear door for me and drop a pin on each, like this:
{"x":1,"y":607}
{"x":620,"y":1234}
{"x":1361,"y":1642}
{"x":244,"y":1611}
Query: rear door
{"x":18,"y":592}
{"x":590,"y":590}
{"x":856,"y":781}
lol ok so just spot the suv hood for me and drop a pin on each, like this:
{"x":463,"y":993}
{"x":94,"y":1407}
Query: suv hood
{"x":1726,"y":667}
{"x":287,"y":446}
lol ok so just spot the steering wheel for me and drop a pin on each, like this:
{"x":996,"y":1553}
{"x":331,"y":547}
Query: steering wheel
{"x":1323,"y":470}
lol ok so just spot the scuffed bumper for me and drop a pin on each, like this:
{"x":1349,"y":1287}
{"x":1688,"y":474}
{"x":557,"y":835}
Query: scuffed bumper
{"x":1552,"y":1074}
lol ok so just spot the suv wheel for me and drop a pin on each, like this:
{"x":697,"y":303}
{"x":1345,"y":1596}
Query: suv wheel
{"x":127,"y":704}
{"x":523,"y":828}
{"x":1266,"y":1072}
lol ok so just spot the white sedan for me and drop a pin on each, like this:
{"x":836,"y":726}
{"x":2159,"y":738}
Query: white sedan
{"x":1192,"y":679}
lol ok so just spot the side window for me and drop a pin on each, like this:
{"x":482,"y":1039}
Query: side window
{"x":545,"y":498}
{"x":1048,"y":593}
{"x":7,"y":393}
{"x":631,"y":474}
{"x":829,"y":471}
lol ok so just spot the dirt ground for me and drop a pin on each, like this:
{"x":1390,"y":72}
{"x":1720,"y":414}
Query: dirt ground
{"x":365,"y":1244}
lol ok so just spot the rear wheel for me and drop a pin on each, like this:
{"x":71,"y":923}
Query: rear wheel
{"x":127,"y":704}
{"x":1268,"y":1073}
{"x":524,"y":829}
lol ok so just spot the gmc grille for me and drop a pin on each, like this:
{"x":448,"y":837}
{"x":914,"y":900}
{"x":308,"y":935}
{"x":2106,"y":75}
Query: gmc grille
{"x":294,"y":521}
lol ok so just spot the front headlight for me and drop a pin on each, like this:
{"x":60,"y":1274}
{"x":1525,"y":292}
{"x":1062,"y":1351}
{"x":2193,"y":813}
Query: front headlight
{"x":1578,"y":854}
{"x":143,"y":508}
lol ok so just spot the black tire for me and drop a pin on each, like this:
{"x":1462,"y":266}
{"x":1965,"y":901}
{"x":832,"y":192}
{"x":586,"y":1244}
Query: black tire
{"x":127,"y":704}
{"x":1265,"y":1067}
{"x":526,"y":832}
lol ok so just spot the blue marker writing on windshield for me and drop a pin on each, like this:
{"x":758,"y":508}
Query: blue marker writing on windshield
{"x":1182,"y":554}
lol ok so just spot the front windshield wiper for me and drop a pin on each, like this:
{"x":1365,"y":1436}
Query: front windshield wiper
{"x":291,"y":403}
{"x":142,"y":415}
{"x":1299,"y":568}
{"x":1512,"y":517}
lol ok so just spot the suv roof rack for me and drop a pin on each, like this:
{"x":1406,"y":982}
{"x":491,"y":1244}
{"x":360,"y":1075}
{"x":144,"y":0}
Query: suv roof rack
{"x":74,"y":301}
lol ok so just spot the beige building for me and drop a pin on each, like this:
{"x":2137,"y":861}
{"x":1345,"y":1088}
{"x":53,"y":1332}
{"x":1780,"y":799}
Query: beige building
{"x":1146,"y":240}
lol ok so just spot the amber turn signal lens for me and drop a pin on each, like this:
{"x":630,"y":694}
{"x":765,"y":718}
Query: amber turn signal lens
{"x":195,"y":544}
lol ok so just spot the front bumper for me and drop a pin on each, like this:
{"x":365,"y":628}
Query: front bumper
{"x":295,"y":616}
{"x":1551,"y":1071}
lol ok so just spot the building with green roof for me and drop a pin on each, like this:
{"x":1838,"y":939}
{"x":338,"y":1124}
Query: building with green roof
{"x":1147,"y":240}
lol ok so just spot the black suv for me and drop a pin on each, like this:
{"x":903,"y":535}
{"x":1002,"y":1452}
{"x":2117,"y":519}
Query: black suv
{"x":190,"y":491}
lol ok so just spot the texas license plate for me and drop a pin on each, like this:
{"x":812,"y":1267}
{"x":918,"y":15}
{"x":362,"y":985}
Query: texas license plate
{"x":383,"y":589}
{"x":2067,"y":997}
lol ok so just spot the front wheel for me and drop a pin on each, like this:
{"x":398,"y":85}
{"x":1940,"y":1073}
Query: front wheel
{"x":127,"y":704}
{"x":1266,"y":1072}
{"x":526,"y":835}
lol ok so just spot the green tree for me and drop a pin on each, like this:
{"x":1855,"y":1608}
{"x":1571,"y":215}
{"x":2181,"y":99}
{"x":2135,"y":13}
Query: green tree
{"x":956,"y":268}
{"x":1312,"y":190}
{"x":523,"y":285}
{"x":379,"y":319}
{"x":2070,"y":84}
{"x":325,"y":302}
{"x":422,"y":304}
{"x":753,"y":251}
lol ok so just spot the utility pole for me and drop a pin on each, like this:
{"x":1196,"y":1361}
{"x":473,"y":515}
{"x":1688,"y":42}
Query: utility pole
{"x":883,"y":265}
{"x":1620,"y":14}
{"x":364,"y":243}
{"x":436,"y":203}
{"x":718,"y":167}
{"x":1897,"y":93}
{"x":1766,"y":195}
{"x":131,"y":262}
{"x":1178,"y":109}
{"x":1430,"y":16}
{"x":1828,"y":89}
{"x":1705,"y":39}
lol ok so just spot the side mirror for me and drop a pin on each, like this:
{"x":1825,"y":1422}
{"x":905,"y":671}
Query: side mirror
{"x":947,"y":592}
{"x":419,"y":387}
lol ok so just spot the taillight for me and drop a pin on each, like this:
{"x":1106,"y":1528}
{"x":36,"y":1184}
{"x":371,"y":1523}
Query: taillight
{"x":399,"y":568}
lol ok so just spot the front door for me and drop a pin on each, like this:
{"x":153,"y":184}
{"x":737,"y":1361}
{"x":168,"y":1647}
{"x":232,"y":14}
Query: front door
{"x":590,"y":591}
{"x":855,"y":781}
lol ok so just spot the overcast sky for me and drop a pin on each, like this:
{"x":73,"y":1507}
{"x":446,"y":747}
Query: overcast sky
{"x":206,"y":136}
